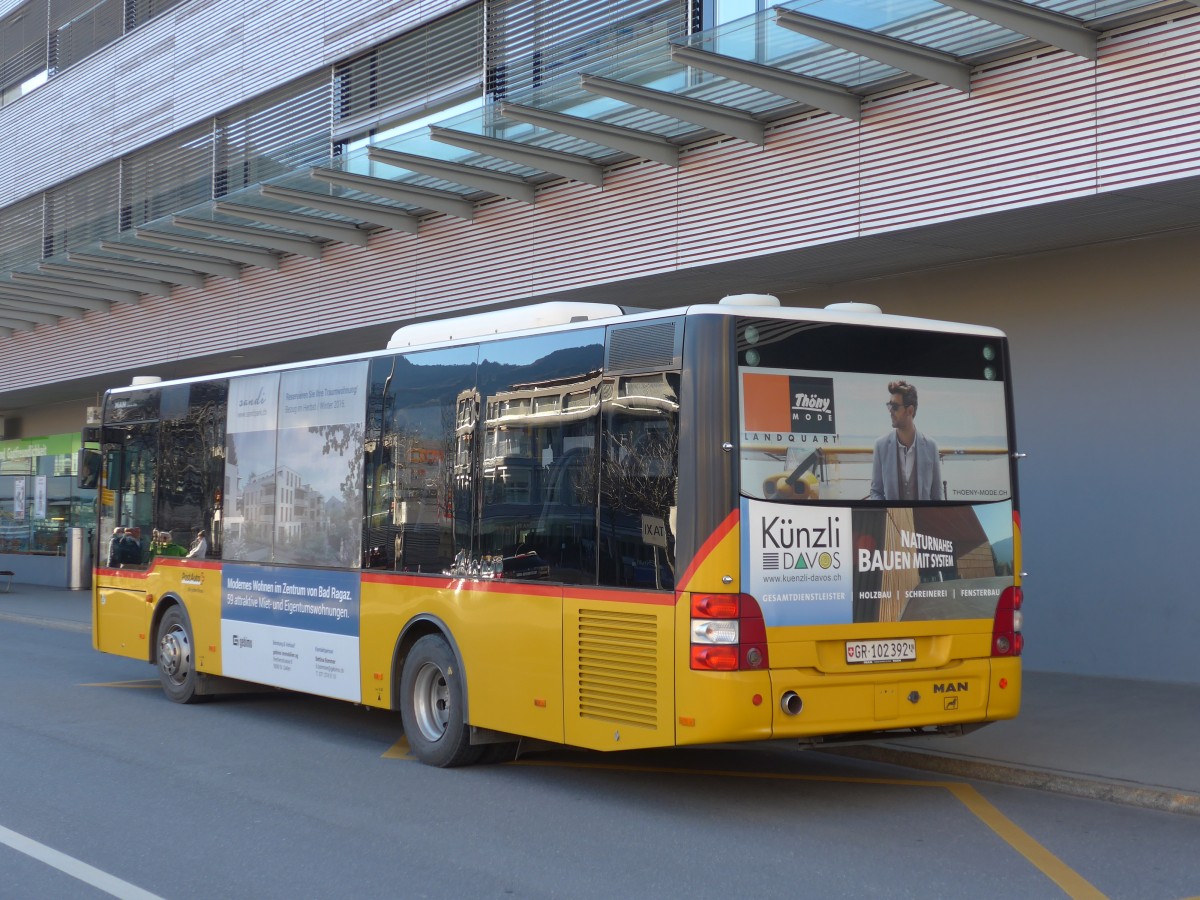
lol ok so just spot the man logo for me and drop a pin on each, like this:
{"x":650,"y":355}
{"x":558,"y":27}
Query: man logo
{"x":950,"y":687}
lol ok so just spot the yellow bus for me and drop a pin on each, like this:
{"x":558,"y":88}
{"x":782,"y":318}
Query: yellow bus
{"x":581,"y":525}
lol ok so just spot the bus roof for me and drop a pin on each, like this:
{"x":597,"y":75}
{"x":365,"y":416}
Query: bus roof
{"x":569,"y":316}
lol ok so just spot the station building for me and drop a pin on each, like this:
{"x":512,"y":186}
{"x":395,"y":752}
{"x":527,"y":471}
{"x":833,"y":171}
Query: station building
{"x":194,"y":186}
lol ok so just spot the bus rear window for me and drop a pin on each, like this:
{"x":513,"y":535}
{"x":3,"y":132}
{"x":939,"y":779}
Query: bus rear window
{"x":843,"y":413}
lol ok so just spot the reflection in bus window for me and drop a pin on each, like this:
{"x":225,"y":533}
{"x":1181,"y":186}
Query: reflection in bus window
{"x":639,"y":485}
{"x":421,"y":415}
{"x":537,"y":514}
{"x":190,"y":489}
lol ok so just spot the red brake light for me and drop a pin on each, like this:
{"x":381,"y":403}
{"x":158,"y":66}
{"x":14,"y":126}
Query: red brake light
{"x":719,"y":658}
{"x":715,"y":606}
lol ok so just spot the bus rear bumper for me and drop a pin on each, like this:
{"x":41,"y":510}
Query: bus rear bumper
{"x":810,"y":704}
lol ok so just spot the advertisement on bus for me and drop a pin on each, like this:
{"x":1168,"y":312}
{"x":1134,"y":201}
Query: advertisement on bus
{"x":858,"y":436}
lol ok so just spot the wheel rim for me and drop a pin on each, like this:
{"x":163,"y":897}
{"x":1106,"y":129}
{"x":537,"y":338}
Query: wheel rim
{"x":431,"y":702}
{"x":175,"y":655}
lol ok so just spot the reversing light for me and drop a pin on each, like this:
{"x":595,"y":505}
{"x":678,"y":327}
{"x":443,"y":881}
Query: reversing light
{"x":714,"y":631}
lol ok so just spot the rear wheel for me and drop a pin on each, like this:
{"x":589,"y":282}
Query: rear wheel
{"x":431,"y":705}
{"x":176,"y":663}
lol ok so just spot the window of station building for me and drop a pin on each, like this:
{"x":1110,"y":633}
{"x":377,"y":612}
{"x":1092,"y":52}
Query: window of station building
{"x":639,"y":485}
{"x":190,"y":489}
{"x":422,"y":413}
{"x":428,"y":74}
{"x":536,"y":467}
{"x":39,"y":495}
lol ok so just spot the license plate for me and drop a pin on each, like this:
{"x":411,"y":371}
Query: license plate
{"x":895,"y":650}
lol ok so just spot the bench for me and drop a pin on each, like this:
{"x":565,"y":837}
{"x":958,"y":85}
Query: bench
{"x":3,"y":572}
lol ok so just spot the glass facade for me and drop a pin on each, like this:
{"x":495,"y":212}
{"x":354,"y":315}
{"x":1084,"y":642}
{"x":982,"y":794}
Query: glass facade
{"x":40,"y":497}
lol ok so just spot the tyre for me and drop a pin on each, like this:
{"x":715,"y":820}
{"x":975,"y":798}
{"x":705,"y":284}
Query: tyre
{"x":176,"y":662}
{"x":431,"y":705}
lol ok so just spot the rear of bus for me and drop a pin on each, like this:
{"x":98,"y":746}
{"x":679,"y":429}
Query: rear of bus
{"x":860,"y":576}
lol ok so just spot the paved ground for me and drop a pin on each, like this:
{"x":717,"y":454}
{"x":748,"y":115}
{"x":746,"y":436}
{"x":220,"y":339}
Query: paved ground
{"x":1134,"y":742}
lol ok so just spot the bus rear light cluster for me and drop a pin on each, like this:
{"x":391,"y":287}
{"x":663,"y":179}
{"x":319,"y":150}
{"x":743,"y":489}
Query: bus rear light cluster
{"x":1007,"y":639}
{"x":728,"y":633}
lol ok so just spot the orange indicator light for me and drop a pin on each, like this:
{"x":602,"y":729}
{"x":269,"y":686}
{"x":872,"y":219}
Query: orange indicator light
{"x":687,"y":721}
{"x":539,"y":702}
{"x":379,"y":676}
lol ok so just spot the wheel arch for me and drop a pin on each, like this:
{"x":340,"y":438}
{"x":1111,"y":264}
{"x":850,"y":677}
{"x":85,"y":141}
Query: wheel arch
{"x":417,"y":628}
{"x":165,"y":602}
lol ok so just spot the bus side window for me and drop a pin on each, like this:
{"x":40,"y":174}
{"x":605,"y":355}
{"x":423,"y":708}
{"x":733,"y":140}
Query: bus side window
{"x":419,"y":461}
{"x":639,"y":486}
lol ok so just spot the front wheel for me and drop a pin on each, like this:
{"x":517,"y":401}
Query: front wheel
{"x":431,"y":705}
{"x":176,"y":662}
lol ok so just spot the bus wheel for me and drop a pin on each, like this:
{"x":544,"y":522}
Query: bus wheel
{"x":176,"y":669}
{"x":431,"y":704}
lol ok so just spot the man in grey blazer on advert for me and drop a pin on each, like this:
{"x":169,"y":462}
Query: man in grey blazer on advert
{"x":905,"y":465}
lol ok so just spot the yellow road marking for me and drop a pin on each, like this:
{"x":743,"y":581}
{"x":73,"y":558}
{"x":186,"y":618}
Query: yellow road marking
{"x":141,"y":683}
{"x":1070,"y":881}
{"x":1050,"y":865}
{"x":399,"y":750}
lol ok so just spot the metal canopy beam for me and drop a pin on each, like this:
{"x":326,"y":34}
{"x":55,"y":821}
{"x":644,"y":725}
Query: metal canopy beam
{"x":499,"y":183}
{"x":283,"y":243}
{"x":311,"y":225}
{"x":568,"y":165}
{"x":124,"y":282}
{"x":209,"y":265}
{"x":428,"y":198}
{"x":20,"y":292}
{"x":250,"y":256}
{"x":811,"y":91}
{"x":14,"y":301}
{"x":943,"y":68}
{"x":19,"y":323}
{"x":363,"y":210}
{"x":1034,"y":22}
{"x":19,"y":314}
{"x":167,"y":274}
{"x":70,"y":288}
{"x":627,"y":140}
{"x":714,"y":116}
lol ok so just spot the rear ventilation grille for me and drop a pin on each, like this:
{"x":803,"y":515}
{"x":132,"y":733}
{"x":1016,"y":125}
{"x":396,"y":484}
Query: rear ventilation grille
{"x":618,"y":667}
{"x":653,"y":346}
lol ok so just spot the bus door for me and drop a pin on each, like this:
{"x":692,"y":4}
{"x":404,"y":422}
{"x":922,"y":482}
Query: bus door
{"x":127,"y":502}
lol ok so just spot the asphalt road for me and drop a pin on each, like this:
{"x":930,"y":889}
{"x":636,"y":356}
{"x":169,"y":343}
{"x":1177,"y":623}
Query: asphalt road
{"x":108,"y":788}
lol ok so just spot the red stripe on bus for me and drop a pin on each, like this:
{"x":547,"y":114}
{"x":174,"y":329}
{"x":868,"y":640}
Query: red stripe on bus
{"x":710,"y":544}
{"x":166,"y":562}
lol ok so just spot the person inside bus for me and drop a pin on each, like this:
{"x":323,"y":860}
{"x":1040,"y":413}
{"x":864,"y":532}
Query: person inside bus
{"x":114,"y":547}
{"x":131,"y":547}
{"x":199,"y":548}
{"x":905,"y":464}
{"x":164,"y":545}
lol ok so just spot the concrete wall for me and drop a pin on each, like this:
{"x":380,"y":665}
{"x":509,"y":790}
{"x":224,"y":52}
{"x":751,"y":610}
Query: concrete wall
{"x":1104,"y":356}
